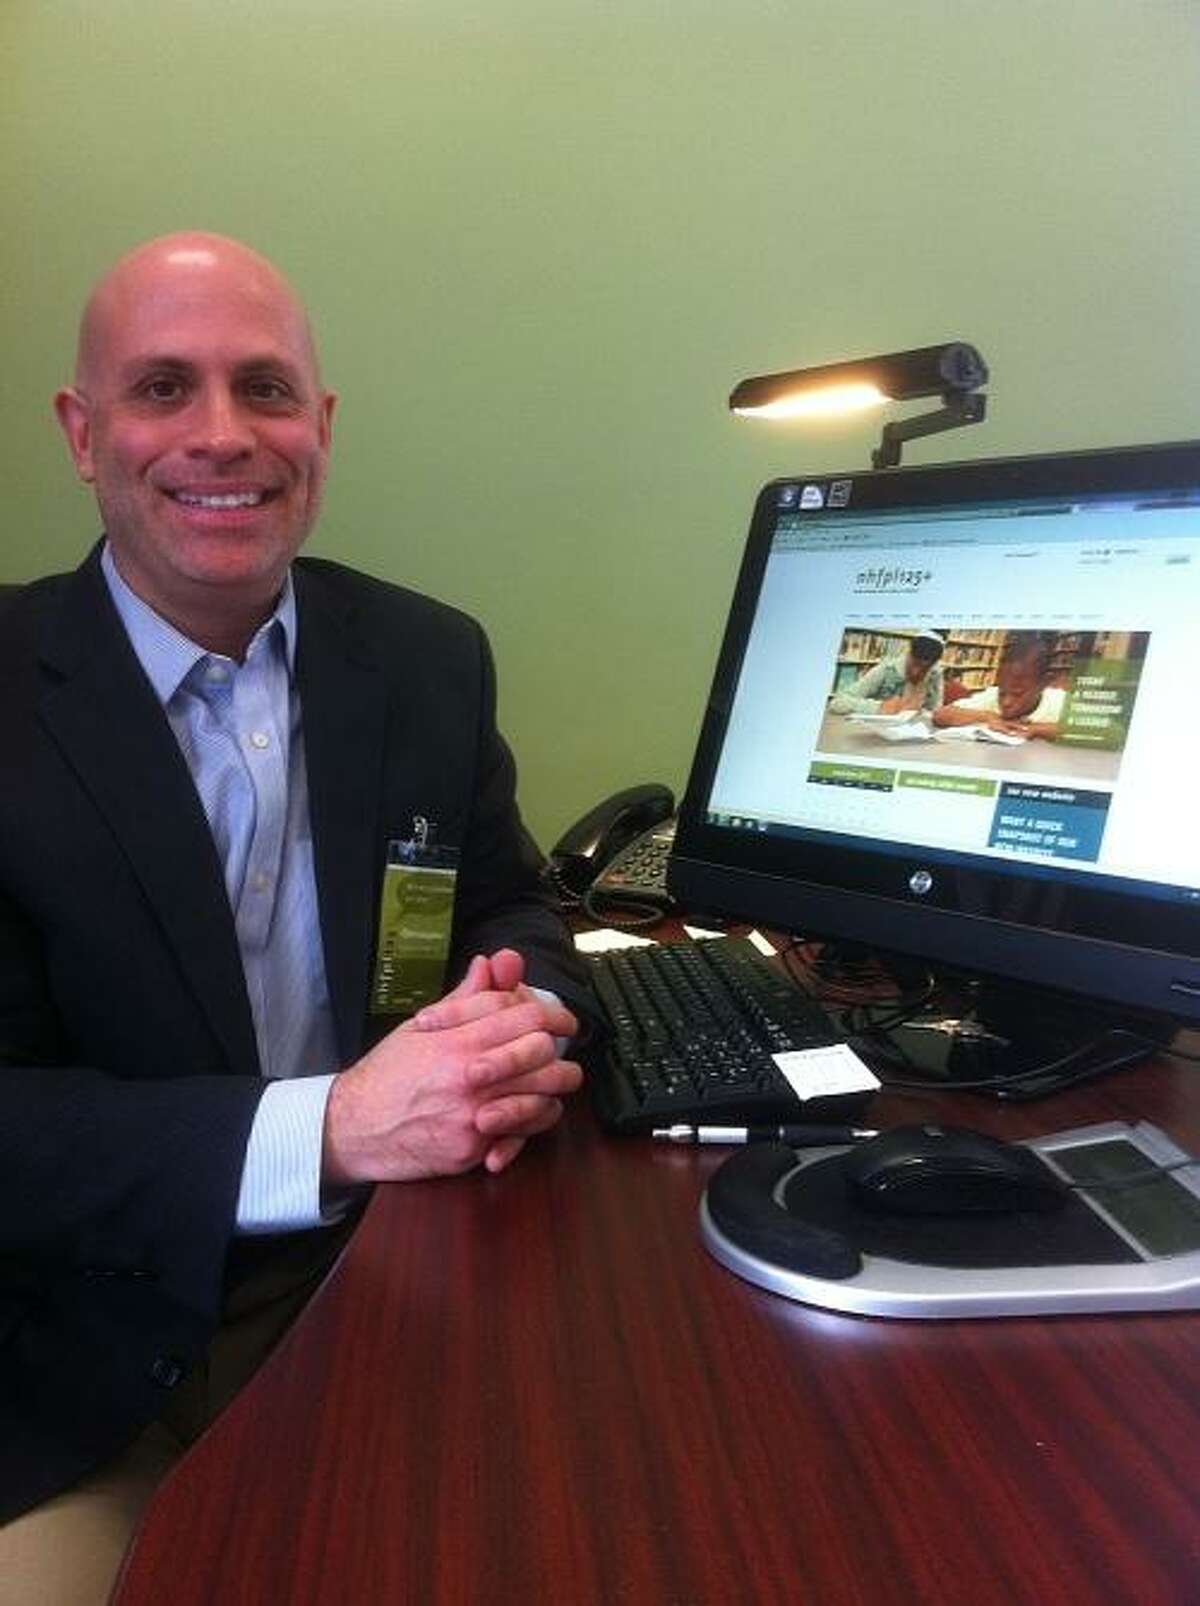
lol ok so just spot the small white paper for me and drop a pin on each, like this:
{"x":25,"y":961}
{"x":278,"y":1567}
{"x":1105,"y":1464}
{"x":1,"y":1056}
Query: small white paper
{"x":821,"y":1072}
{"x":761,"y":943}
{"x":702,"y":933}
{"x":901,"y":717}
{"x":606,"y":939}
{"x":977,"y":733}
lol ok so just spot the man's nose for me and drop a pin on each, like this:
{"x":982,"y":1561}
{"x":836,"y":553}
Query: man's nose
{"x":221,"y":430}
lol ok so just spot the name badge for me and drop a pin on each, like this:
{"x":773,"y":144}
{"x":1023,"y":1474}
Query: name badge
{"x":416,"y":910}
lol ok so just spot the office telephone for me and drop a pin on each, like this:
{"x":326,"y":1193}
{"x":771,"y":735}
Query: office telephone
{"x":613,"y":859}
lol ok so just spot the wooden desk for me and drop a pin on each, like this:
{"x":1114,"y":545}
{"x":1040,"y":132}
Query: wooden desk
{"x":540,"y":1388}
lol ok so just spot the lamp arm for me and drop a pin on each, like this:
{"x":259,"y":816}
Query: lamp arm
{"x":959,"y":409}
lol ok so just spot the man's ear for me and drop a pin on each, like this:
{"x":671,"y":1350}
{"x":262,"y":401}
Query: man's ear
{"x":325,"y":425}
{"x":75,"y":419}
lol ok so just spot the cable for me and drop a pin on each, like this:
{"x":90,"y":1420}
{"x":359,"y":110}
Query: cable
{"x":625,"y":916}
{"x":839,"y":977}
{"x":628,"y":916}
{"x":852,"y":979}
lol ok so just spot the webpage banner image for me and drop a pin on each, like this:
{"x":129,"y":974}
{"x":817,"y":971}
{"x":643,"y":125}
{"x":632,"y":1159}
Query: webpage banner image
{"x":912,"y":706}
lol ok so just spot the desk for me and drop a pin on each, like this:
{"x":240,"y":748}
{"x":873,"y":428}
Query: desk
{"x":540,"y":1388}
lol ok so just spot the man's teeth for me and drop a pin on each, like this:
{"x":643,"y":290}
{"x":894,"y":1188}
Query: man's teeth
{"x":229,"y":499}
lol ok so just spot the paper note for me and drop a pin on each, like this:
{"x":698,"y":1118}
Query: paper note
{"x":898,"y":718}
{"x":606,"y":939}
{"x":824,"y":1072}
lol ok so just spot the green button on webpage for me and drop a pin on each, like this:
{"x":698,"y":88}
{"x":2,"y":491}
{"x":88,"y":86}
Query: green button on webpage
{"x":868,"y":775}
{"x":925,"y":781}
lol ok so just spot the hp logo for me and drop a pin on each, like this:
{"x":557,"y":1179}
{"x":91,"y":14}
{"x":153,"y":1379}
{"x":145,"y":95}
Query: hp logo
{"x":920,"y":882}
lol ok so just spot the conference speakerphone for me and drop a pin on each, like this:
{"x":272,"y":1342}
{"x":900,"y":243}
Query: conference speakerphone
{"x":1127,"y":1239}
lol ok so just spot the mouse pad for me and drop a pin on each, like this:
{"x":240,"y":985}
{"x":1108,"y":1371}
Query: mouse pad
{"x":1074,"y":1236}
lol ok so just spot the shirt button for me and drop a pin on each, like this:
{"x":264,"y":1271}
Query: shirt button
{"x":260,"y":881}
{"x":259,"y":739}
{"x":167,"y":1370}
{"x":217,"y":672}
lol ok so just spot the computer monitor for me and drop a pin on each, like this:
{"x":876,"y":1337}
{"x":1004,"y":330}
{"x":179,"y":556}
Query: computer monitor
{"x":1023,"y":808}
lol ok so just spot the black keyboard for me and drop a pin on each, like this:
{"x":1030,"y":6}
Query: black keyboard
{"x":692,"y":1027}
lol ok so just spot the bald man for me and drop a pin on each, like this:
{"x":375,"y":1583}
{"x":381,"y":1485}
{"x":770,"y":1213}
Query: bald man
{"x":217,"y":759}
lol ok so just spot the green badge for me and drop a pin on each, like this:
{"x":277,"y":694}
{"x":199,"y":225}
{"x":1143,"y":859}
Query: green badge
{"x":416,"y":909}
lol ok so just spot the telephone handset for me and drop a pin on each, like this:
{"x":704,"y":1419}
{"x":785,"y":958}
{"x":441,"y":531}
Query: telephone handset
{"x":616,"y":854}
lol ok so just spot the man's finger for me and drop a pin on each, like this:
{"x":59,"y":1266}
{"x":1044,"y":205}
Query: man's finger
{"x":508,"y":969}
{"x":502,"y":1154}
{"x":521,"y":1115}
{"x":455,"y":1010}
{"x":529,"y":1015}
{"x":477,"y":979}
{"x":508,"y":1061}
{"x":555,"y":1077}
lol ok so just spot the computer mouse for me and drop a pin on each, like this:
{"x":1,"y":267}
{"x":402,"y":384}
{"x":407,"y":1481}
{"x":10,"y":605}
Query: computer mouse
{"x":949,"y":1170}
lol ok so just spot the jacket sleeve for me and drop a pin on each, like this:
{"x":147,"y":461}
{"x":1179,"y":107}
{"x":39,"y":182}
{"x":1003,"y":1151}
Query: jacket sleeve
{"x":116,"y":1204}
{"x":503,"y":900}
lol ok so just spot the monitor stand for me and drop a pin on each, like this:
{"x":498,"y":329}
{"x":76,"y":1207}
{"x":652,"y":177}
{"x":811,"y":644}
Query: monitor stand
{"x":992,"y":1032}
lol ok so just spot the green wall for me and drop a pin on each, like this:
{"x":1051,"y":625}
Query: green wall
{"x":541,"y":240}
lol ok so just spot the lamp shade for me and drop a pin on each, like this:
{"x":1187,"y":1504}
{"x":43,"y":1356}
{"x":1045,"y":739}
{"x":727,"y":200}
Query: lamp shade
{"x":897,"y":376}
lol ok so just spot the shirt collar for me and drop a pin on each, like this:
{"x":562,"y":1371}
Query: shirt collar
{"x":168,"y":656}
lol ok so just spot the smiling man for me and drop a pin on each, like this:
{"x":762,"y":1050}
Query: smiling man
{"x":220,"y":764}
{"x":198,"y":415}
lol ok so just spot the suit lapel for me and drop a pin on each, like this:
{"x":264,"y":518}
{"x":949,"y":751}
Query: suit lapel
{"x":344,"y":708}
{"x":109,"y":726}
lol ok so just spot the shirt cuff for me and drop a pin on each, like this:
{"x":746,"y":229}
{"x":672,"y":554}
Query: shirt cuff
{"x":548,"y":997}
{"x":281,"y":1174}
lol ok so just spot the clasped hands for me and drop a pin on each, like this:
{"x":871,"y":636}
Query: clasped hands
{"x":466,"y":1081}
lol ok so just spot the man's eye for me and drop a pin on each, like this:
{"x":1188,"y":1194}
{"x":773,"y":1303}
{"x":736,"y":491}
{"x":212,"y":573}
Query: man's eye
{"x":268,"y":390}
{"x":162,"y":389}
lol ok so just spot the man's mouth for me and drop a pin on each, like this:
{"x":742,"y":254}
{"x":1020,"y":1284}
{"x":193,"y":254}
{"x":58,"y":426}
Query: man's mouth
{"x":220,"y":501}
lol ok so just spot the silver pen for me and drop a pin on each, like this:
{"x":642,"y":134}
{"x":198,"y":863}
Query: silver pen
{"x":800,"y":1137}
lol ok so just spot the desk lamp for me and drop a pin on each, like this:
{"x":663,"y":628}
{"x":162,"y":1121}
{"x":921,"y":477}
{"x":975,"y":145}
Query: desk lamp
{"x":953,"y":371}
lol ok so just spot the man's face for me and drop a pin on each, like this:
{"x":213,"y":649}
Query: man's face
{"x":1018,"y":687}
{"x":200,"y":419}
{"x":916,"y":667}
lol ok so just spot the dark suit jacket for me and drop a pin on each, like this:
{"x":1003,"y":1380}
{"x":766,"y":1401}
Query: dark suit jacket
{"x":129,"y":1075}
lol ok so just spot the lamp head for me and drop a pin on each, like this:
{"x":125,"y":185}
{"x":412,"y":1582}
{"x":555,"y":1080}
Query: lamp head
{"x":954,"y":371}
{"x":843,"y":387}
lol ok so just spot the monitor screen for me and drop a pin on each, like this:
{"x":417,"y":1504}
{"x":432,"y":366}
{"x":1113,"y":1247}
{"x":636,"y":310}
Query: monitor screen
{"x":955,"y":716}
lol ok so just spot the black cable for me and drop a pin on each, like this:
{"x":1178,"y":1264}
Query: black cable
{"x":855,"y":1018}
{"x":901,"y":1009}
{"x":1031,"y":1072}
{"x":625,"y":916}
{"x":835,"y":973}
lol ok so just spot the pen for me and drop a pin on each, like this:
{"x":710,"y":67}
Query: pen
{"x":800,"y":1137}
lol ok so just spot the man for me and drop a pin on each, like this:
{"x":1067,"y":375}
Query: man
{"x":911,"y":679}
{"x":1021,"y":703}
{"x":210,"y":754}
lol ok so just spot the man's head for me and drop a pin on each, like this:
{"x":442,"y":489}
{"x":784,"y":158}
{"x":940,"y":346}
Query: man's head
{"x":198,"y":415}
{"x":923,"y":652}
{"x":1021,"y":675}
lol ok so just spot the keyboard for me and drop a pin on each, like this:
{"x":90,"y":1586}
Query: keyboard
{"x":692,"y":1027}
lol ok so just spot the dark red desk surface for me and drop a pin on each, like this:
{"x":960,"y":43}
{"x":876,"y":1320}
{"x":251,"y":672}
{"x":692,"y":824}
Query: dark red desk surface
{"x":540,"y":1388}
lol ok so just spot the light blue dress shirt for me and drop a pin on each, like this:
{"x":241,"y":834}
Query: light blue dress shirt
{"x":239,"y":729}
